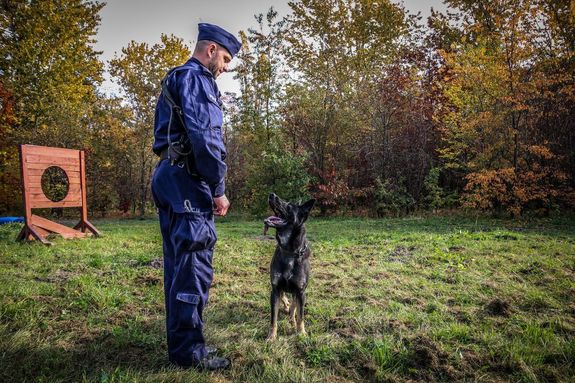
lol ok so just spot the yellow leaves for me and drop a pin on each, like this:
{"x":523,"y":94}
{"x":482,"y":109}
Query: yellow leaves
{"x":543,"y":152}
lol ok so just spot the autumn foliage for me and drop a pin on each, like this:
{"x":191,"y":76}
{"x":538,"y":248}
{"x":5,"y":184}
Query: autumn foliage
{"x":361,"y":104}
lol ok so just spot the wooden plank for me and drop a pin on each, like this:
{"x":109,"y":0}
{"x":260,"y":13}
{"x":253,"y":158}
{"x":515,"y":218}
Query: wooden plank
{"x":67,"y":168}
{"x":33,"y":233}
{"x":30,"y":233}
{"x":76,"y":197}
{"x":52,"y":160}
{"x":50,"y":151}
{"x":76,"y":200}
{"x":72,"y":189}
{"x":37,"y":178}
{"x":38,"y":173}
{"x":23,"y":234}
{"x":50,"y":204}
{"x":92,"y":228}
{"x":24,"y":174}
{"x":42,"y":232}
{"x":54,"y":227}
{"x":36,"y":195}
{"x":84,"y":216}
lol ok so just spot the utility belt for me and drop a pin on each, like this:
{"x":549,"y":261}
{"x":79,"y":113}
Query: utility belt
{"x":176,"y":157}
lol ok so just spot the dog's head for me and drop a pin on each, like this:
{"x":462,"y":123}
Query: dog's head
{"x":288,"y":216}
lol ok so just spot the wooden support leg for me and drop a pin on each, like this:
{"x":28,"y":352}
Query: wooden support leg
{"x":83,"y":226}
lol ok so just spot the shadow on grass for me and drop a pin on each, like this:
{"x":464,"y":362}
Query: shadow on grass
{"x":130,"y":349}
{"x":125,"y":352}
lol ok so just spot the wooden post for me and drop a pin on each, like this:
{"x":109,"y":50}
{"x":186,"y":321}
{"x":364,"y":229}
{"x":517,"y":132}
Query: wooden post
{"x":84,"y":224}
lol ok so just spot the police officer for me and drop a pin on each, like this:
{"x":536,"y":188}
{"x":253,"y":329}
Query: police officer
{"x":188,"y":189}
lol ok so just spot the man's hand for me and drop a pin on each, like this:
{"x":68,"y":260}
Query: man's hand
{"x":221,"y":205}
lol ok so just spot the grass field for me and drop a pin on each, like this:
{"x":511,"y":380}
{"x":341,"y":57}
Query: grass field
{"x":416,"y":299}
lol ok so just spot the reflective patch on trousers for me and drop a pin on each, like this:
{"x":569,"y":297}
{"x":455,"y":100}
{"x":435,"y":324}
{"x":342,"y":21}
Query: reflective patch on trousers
{"x":187,"y":310}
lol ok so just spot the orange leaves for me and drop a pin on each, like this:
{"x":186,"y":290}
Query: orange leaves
{"x":538,"y":187}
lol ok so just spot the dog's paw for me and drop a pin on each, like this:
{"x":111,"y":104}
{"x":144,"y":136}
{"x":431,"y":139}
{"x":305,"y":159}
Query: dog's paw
{"x":300,"y":330}
{"x":272,"y":334}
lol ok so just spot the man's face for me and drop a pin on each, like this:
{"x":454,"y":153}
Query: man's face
{"x":219,"y":61}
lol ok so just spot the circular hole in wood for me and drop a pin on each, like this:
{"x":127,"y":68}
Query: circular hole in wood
{"x":55,"y":183}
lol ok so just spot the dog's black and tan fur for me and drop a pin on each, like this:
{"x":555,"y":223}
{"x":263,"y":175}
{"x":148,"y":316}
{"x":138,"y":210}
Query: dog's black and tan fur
{"x":290,"y":266}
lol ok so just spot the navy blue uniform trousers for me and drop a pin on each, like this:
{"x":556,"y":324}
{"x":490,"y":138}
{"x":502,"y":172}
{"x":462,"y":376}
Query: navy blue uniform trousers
{"x":188,"y":243}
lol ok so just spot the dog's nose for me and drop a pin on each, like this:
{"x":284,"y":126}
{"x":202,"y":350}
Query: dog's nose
{"x":272,"y":197}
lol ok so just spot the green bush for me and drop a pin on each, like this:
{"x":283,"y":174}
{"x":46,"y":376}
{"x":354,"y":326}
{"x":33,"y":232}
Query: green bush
{"x":435,"y":197}
{"x":392,"y":199}
{"x":279,"y":172}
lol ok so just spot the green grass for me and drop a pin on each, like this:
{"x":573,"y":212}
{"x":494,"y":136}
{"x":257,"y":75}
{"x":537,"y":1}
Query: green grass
{"x":391,"y":300}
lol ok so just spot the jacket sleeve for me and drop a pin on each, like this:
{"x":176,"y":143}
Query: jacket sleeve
{"x":203,"y":126}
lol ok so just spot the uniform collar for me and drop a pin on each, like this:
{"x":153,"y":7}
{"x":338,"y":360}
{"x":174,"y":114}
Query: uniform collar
{"x":205,"y":70}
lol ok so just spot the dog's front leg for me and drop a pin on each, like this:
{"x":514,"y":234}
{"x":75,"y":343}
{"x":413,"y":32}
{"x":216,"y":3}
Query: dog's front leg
{"x":274,"y":301}
{"x":300,"y":299}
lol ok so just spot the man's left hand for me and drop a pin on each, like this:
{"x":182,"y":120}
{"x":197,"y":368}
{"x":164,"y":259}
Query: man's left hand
{"x":221,"y":205}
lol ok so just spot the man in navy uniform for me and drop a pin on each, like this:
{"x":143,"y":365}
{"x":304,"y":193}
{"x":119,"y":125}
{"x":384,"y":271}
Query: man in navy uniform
{"x":188,"y":189}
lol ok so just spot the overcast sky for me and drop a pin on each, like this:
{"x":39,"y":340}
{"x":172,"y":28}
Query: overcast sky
{"x":145,"y":20}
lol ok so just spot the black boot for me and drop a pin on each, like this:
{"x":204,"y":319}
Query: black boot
{"x":211,"y":350}
{"x":213,"y":363}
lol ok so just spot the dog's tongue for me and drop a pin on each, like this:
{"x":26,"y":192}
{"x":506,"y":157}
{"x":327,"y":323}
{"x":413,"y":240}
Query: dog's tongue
{"x":273,"y":220}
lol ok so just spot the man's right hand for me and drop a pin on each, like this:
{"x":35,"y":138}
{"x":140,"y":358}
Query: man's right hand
{"x":221,"y":205}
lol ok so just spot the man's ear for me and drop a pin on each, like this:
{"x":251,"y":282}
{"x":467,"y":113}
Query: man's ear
{"x":212,"y":49}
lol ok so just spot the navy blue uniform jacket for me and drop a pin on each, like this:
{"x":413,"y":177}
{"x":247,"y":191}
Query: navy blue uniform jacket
{"x":193,"y":88}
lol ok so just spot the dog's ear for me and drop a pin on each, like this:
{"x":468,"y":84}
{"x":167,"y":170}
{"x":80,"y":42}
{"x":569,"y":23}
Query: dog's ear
{"x":306,"y":208}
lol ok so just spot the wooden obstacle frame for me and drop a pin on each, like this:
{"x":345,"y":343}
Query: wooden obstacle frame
{"x":34,"y":161}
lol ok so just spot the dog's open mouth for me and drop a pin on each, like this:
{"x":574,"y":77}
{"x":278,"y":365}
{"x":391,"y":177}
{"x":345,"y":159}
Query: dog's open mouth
{"x":274,"y":221}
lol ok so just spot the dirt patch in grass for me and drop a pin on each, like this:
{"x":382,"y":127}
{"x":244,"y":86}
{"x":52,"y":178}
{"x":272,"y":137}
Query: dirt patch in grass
{"x":470,"y":360}
{"x":532,"y":268}
{"x":460,"y":315}
{"x":410,"y":301}
{"x":488,"y":285}
{"x":426,"y":355}
{"x":149,"y":280}
{"x":429,"y":361}
{"x":401,"y":254}
{"x":498,"y":307}
{"x":56,"y":277}
{"x":343,"y":323}
{"x":157,"y":263}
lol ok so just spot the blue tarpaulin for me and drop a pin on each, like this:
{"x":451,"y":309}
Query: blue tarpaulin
{"x":4,"y":220}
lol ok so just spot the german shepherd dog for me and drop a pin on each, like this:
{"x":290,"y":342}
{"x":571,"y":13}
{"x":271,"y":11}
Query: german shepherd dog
{"x":290,"y":267}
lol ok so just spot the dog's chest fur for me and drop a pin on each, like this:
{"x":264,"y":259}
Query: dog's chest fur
{"x":289,"y":271}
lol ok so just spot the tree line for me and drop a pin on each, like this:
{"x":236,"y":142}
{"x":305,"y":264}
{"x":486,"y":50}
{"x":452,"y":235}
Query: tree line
{"x":360,"y":103}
